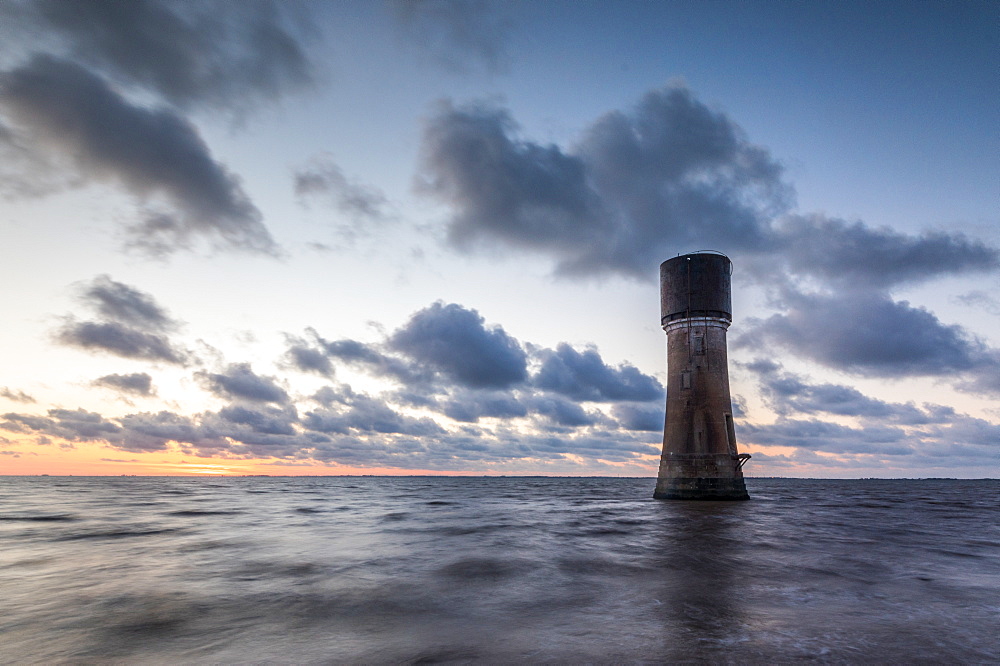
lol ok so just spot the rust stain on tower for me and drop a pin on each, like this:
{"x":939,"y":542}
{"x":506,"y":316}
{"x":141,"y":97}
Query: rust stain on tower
{"x":699,"y":460}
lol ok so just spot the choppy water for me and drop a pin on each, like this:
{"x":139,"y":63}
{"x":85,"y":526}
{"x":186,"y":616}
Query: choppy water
{"x":495,"y":570}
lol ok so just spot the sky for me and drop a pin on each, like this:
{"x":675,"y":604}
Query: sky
{"x":423,"y":237}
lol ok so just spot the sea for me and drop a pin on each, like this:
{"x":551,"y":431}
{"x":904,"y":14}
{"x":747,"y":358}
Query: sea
{"x":496,"y":570}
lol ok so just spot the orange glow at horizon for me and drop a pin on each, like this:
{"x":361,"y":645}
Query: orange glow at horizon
{"x":28,"y":458}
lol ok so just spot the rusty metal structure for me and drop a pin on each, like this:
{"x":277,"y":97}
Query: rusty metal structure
{"x":700,"y":459}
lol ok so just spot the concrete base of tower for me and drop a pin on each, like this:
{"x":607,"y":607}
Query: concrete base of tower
{"x":700,"y":477}
{"x":701,"y":489}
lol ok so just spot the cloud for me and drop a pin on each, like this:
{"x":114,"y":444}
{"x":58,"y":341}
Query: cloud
{"x":139,"y":383}
{"x":871,"y":334}
{"x":961,"y":441}
{"x":671,"y":172}
{"x":119,"y":340}
{"x":457,"y":34}
{"x":75,"y":114}
{"x":980,"y":299}
{"x":358,"y":412}
{"x":668,"y":174}
{"x":789,"y":393}
{"x":239,"y":382}
{"x":359,"y":429}
{"x":133,"y":325}
{"x":470,"y":405}
{"x":323,"y":178}
{"x":829,"y":437}
{"x":268,"y":420}
{"x":318,"y":355}
{"x":634,"y":417}
{"x":16,"y":396}
{"x":502,"y":189}
{"x":77,"y":425}
{"x":561,"y":411}
{"x":448,"y":361}
{"x":120,"y":302}
{"x":455,"y":342}
{"x":896,"y":436}
{"x":149,"y":431}
{"x":584,"y":376}
{"x":307,"y":357}
{"x":852,"y":254}
{"x":441,"y":348}
{"x":218,"y":55}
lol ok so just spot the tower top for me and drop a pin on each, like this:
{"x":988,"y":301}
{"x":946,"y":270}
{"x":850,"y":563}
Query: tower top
{"x":697,"y":284}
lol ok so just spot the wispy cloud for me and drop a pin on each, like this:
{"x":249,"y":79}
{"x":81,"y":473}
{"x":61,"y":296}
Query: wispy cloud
{"x":459,"y":35}
{"x":15,"y":395}
{"x":322,"y":177}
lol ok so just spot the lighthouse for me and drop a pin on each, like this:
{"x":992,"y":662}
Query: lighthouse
{"x":700,"y":459}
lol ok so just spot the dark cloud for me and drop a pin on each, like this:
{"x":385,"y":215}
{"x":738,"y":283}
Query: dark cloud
{"x":669,"y":173}
{"x":455,"y":342}
{"x":323,"y":178}
{"x":969,"y":431}
{"x":375,"y":362}
{"x":138,"y":383}
{"x":147,"y":431}
{"x":469,"y":406}
{"x":77,"y":425}
{"x":347,"y":411}
{"x":871,"y":334}
{"x":830,"y":437}
{"x":789,"y":393}
{"x":561,"y":411}
{"x":457,"y":34}
{"x":221,"y":55}
{"x":307,"y":357}
{"x":450,"y":363}
{"x":133,"y":325}
{"x":524,"y":195}
{"x":115,"y":301}
{"x":853,"y":254}
{"x":266,"y":419}
{"x":643,"y":418}
{"x":584,"y":376}
{"x":15,"y":395}
{"x":239,"y":382}
{"x":150,"y":152}
{"x":929,"y":436}
{"x":119,"y":340}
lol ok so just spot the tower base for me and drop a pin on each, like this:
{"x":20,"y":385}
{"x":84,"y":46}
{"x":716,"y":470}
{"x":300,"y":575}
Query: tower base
{"x":701,"y":489}
{"x":700,"y":477}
